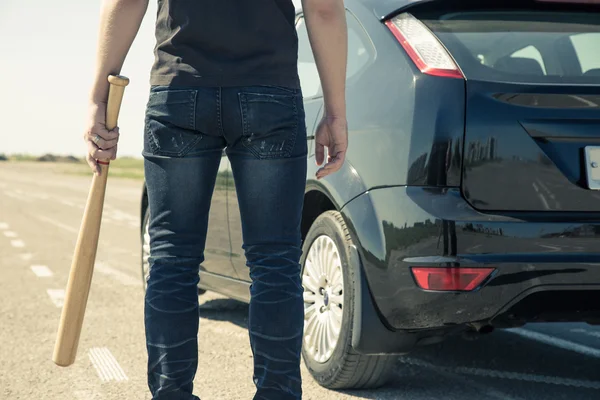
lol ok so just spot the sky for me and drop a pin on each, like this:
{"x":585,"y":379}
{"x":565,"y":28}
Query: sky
{"x":47,"y":62}
{"x":47,"y":53}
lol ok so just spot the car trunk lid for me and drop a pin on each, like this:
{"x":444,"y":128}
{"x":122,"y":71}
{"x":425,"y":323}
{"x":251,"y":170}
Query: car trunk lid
{"x":532,"y":125}
{"x":525,"y":147}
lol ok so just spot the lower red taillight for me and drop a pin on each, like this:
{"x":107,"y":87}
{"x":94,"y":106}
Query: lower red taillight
{"x":450,"y":279}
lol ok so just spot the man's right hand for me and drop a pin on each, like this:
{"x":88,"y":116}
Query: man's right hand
{"x":332,"y":133}
{"x":101,"y":143}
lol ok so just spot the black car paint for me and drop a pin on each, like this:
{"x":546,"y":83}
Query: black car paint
{"x":400,"y":194}
{"x":384,"y":9}
{"x":534,"y":151}
{"x":406,"y":226}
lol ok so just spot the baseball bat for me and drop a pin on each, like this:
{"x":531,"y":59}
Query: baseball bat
{"x":82,"y":266}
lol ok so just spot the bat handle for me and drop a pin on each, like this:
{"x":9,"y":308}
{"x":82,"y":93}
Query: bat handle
{"x":115,"y":97}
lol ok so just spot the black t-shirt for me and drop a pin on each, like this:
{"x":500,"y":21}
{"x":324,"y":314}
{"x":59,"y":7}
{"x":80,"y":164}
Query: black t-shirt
{"x":225,"y":43}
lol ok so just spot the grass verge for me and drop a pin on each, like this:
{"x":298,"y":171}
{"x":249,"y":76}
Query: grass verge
{"x":123,"y":167}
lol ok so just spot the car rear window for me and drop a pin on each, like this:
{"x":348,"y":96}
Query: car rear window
{"x":522,"y":47}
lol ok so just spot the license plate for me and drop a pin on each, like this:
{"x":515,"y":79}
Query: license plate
{"x":592,"y":166}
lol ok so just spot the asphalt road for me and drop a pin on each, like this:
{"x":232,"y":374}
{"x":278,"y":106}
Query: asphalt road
{"x":40,"y":212}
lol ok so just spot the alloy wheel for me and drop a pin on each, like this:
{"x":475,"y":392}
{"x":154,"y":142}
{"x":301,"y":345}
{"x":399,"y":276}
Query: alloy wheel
{"x":323,"y":282}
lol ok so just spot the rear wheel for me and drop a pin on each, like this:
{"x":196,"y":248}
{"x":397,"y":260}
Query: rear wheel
{"x":146,"y":251}
{"x":329,"y":283}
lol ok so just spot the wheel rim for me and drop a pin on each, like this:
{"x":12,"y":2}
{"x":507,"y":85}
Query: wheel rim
{"x":146,"y":254}
{"x":323,"y":283}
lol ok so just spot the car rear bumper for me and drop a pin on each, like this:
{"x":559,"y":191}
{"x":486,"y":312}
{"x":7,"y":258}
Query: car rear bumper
{"x":546,"y":267}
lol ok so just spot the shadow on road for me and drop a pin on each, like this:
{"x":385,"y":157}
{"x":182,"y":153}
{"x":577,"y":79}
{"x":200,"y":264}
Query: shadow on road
{"x":500,"y":359}
{"x":229,"y":310}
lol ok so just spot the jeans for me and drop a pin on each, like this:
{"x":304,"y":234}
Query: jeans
{"x":263,"y":132}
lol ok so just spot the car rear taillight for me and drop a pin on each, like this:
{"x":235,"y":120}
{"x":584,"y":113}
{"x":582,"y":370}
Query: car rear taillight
{"x":450,"y":279}
{"x":424,"y":49}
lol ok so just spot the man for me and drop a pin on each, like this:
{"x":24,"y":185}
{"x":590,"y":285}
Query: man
{"x":225,"y":77}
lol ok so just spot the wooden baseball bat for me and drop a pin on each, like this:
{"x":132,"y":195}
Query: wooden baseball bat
{"x":82,"y":266}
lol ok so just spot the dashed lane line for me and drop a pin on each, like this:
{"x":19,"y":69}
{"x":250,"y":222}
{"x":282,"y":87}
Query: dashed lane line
{"x":57,"y":296}
{"x":3,"y":226}
{"x":10,"y":234}
{"x":17,"y":243}
{"x":41,"y":271}
{"x":106,"y":365}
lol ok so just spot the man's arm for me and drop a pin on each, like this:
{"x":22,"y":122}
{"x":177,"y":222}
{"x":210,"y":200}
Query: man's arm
{"x":327,"y":31}
{"x":120,"y":22}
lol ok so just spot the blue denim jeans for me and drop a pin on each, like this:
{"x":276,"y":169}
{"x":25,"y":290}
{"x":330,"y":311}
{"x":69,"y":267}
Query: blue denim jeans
{"x":263,"y":132}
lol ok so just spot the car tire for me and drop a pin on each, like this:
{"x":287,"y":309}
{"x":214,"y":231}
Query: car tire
{"x":339,"y":367}
{"x":146,"y":251}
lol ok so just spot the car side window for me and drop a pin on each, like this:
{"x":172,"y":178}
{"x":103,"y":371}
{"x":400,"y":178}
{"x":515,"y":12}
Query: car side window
{"x":360,"y":53}
{"x":360,"y":49}
{"x":586,"y":47}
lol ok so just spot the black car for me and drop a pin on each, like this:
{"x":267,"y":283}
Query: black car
{"x":469,"y":200}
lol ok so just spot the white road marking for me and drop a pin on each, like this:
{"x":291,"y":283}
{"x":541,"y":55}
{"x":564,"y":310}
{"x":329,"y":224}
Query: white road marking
{"x":120,"y":276}
{"x":57,"y":223}
{"x":544,"y":201}
{"x":10,"y":234}
{"x":3,"y":226}
{"x":474,"y":247}
{"x":490,"y":373}
{"x":552,"y":196}
{"x":535,"y":187}
{"x":557,"y":342}
{"x":586,"y":332}
{"x":584,"y":101}
{"x":17,"y":243}
{"x":106,"y":365}
{"x":41,"y":271}
{"x":553,"y":248}
{"x":14,"y":195}
{"x":26,"y":256}
{"x":66,"y":203}
{"x":57,"y":296}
